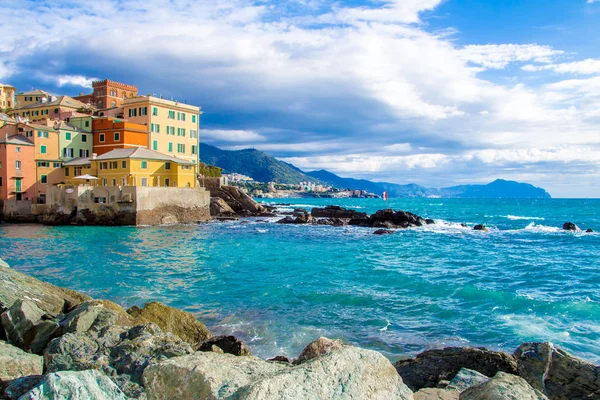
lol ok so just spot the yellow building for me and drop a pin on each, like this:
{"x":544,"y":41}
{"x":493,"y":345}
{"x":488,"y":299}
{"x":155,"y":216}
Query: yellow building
{"x":32,"y":97}
{"x":7,"y":96}
{"x":172,"y":126}
{"x":132,"y":167}
{"x":50,"y":107}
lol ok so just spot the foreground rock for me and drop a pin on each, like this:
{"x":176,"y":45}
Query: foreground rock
{"x":465,"y":378}
{"x":432,"y":366}
{"x":569,"y":226}
{"x":228,"y":344}
{"x":437,"y":394}
{"x":75,"y":385}
{"x":28,"y":327}
{"x":15,"y":363}
{"x":178,"y":322}
{"x":503,"y":386}
{"x":344,"y":373}
{"x":556,"y":373}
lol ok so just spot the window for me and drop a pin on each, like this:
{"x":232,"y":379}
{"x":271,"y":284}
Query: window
{"x":101,"y":137}
{"x":144,"y":164}
{"x":43,"y":164}
{"x":170,"y":147}
{"x":155,"y":128}
{"x":104,"y":182}
{"x":113,"y":104}
{"x":67,"y":152}
{"x":180,"y":148}
{"x":99,"y":103}
{"x":87,"y":124}
{"x":45,"y":112}
{"x":123,"y":164}
{"x":83,"y":138}
{"x":68,"y":135}
{"x":154,"y":145}
{"x":101,"y":200}
{"x":66,"y":171}
{"x":193,"y":134}
{"x":84,"y":153}
{"x":42,"y":134}
{"x":44,"y":178}
{"x":167,"y":182}
{"x":194,"y":149}
{"x":143,"y":111}
{"x":154,"y":111}
{"x":117,"y":138}
{"x":167,"y":165}
{"x":181,"y":132}
{"x":18,"y":149}
{"x":43,"y":149}
{"x":103,"y":165}
{"x":114,"y":182}
{"x":171,"y":114}
{"x":0,"y":181}
{"x":56,"y":165}
{"x":180,"y":116}
{"x":133,"y":112}
{"x":114,"y":165}
{"x":29,"y":134}
{"x":17,"y":164}
{"x":144,"y":181}
{"x":194,"y":119}
{"x":77,"y":171}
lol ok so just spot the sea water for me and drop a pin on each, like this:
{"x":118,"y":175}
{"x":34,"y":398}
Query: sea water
{"x":278,"y":287}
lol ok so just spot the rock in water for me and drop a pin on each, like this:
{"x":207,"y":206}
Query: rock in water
{"x":432,"y":366}
{"x":178,"y":322}
{"x":480,"y":227}
{"x":569,"y":226}
{"x":503,"y":386}
{"x":589,"y":231}
{"x":229,"y":344}
{"x":345,"y":373}
{"x":319,"y":347}
{"x":75,"y":385}
{"x":15,"y":363}
{"x":556,"y":373}
{"x":383,"y":232}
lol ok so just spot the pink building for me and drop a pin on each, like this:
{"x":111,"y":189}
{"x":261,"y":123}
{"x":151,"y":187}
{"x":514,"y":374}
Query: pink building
{"x":17,"y":168}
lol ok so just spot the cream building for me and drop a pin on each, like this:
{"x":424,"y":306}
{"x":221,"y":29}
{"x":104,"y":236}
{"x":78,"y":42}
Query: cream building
{"x":7,"y":96}
{"x":32,"y":97}
{"x":172,"y":126}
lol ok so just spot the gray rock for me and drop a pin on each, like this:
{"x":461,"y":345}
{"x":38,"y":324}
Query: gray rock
{"x":437,"y":394}
{"x":280,"y":359}
{"x":27,"y":326}
{"x":95,"y":315}
{"x":51,"y":299}
{"x":73,"y":352}
{"x":465,"y":378}
{"x":18,"y":387}
{"x":229,"y":344}
{"x":75,"y":385}
{"x":503,"y":386}
{"x":557,"y":373}
{"x":205,"y":375}
{"x":15,"y":363}
{"x":220,"y":208}
{"x":432,"y":366}
{"x":317,"y":348}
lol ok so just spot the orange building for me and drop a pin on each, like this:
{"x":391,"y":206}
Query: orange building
{"x":108,"y":94}
{"x":112,"y":133}
{"x":17,"y":168}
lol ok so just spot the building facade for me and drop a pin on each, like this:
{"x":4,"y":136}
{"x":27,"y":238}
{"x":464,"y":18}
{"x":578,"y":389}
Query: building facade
{"x":111,"y":133}
{"x":173,"y":127}
{"x":51,"y":107}
{"x":108,"y":94}
{"x":7,"y":96}
{"x":32,"y":97}
{"x":17,"y":168}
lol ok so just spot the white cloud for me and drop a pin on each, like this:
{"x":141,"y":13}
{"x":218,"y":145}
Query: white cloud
{"x":585,"y":67}
{"x":231,"y":135}
{"x":395,"y":11}
{"x":75,"y":80}
{"x":498,"y":56}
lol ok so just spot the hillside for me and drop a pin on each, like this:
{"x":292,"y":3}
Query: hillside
{"x":256,"y":164}
{"x":500,"y":188}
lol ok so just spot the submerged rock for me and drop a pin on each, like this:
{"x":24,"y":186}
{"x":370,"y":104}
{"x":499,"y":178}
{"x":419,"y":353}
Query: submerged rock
{"x":503,"y":386}
{"x":229,"y":344}
{"x":336,"y":212}
{"x":589,"y":231}
{"x":383,"y":232}
{"x":15,"y":363}
{"x":318,"y":348}
{"x":75,"y":385}
{"x":569,"y":226}
{"x":432,"y":366}
{"x":178,"y":322}
{"x":556,"y":373}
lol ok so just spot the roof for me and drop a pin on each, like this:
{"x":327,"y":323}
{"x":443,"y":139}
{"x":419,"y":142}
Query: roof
{"x":65,"y":126}
{"x":78,"y":161}
{"x":64,"y":101}
{"x":141,"y":153}
{"x":40,"y":127}
{"x":4,"y":117}
{"x":35,"y":93}
{"x":7,"y":85}
{"x":16,"y":139}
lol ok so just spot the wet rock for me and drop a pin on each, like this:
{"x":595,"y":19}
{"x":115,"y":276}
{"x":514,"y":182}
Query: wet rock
{"x":205,"y":375}
{"x":465,"y":378}
{"x":178,"y":322}
{"x":317,"y":348}
{"x":436,"y":394}
{"x":300,"y":216}
{"x":18,"y":387}
{"x":28,"y":327}
{"x":229,"y":344}
{"x":383,"y":232}
{"x":569,"y":226}
{"x":429,"y":221}
{"x":503,"y":386}
{"x":337,"y":212}
{"x":589,"y":231}
{"x":51,"y":299}
{"x":281,"y":359}
{"x":480,"y":227}
{"x":15,"y":363}
{"x":389,"y":218}
{"x":75,"y":385}
{"x":556,"y":373}
{"x":431,"y":366}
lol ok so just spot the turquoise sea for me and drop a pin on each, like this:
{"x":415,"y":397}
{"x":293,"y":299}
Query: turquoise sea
{"x":280,"y":286}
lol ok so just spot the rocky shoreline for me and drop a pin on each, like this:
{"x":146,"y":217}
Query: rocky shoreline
{"x":57,"y":343}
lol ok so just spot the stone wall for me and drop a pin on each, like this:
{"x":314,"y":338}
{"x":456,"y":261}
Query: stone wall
{"x":158,"y":205}
{"x":210,"y":183}
{"x":17,"y":211}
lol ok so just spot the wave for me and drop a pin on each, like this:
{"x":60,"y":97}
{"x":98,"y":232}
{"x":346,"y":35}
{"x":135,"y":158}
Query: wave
{"x":532,"y":227}
{"x":518,"y":217}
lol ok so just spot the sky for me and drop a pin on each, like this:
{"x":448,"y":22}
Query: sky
{"x":434,"y":92}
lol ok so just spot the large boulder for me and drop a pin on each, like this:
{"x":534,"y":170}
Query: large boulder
{"x":389,"y":218}
{"x":220,"y":208}
{"x":436,"y":394}
{"x":205,"y":376}
{"x":432,"y":366}
{"x":556,"y":373}
{"x":178,"y":322}
{"x":569,"y":226}
{"x":15,"y":363}
{"x":51,"y":299}
{"x":95,"y":315}
{"x":75,"y":385}
{"x":319,"y":347}
{"x":467,"y":378}
{"x":228,"y":344}
{"x":336,"y":212}
{"x":18,"y":387}
{"x":503,"y":386}
{"x":345,"y":373}
{"x":28,"y":327}
{"x":238,"y":201}
{"x":74,"y":352}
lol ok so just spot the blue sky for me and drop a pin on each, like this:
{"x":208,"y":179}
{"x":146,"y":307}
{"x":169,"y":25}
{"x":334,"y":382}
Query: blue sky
{"x":435,"y":92}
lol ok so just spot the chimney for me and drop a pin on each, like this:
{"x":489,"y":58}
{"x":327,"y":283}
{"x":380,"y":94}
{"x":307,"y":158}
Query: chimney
{"x":94,"y":155}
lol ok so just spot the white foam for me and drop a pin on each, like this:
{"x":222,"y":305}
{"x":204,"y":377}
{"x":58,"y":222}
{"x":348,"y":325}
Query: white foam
{"x":532,"y":227}
{"x":385,"y":328}
{"x":518,"y":217}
